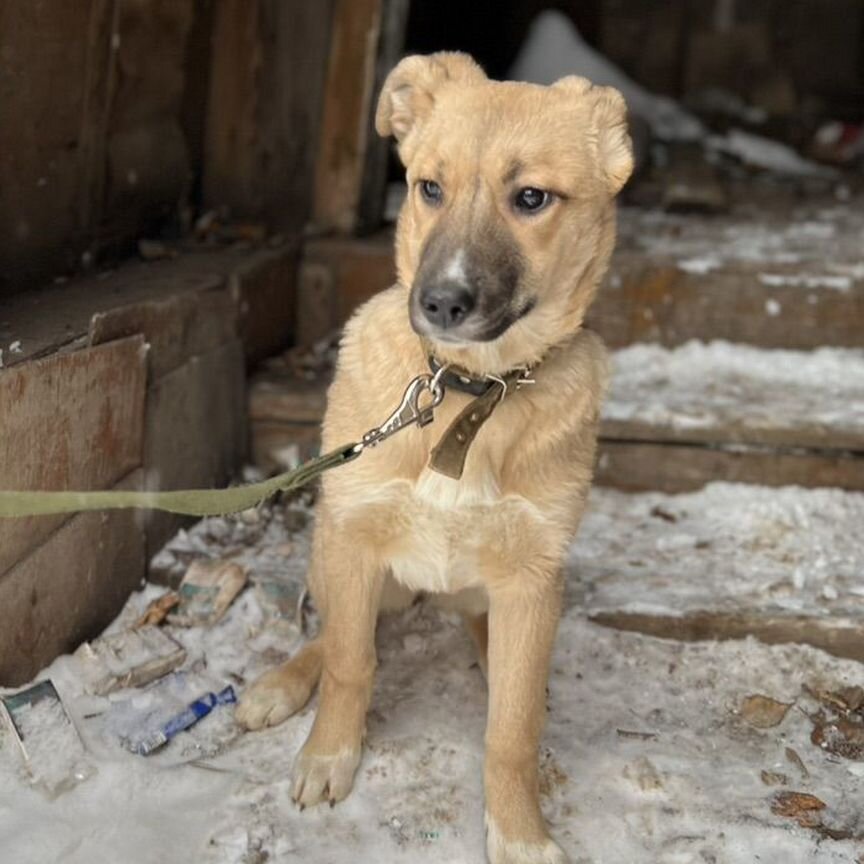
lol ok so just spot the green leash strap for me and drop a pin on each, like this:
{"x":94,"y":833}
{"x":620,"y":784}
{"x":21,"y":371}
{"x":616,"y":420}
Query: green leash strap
{"x":218,"y":502}
{"x":188,"y":502}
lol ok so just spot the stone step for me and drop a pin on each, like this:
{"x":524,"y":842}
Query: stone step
{"x":674,"y":420}
{"x":728,"y":561}
{"x":765,"y":276}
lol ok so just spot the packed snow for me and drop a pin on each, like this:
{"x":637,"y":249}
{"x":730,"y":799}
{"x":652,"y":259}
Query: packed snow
{"x":647,"y":758}
{"x":746,"y":391}
{"x":725,"y":547}
{"x":828,"y":239}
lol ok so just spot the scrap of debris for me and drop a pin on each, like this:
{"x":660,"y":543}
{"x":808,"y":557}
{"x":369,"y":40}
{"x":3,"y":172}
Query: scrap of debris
{"x":54,"y":759}
{"x":838,"y":727}
{"x":763,"y":712}
{"x":158,"y":609}
{"x":186,"y":719}
{"x":206,"y":592}
{"x":131,"y":658}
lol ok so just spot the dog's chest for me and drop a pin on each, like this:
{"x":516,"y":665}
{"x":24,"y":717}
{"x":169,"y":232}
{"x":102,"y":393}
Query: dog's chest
{"x":447,"y":529}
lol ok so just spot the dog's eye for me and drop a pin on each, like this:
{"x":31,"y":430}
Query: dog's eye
{"x":432,"y":193}
{"x":531,"y":200}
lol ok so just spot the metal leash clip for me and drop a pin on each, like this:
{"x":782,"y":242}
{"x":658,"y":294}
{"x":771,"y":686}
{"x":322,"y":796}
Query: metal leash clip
{"x":410,"y":410}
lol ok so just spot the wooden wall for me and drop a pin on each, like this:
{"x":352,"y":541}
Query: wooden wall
{"x":115,"y":114}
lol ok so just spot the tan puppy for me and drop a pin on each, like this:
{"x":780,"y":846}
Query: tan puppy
{"x":506,"y":232}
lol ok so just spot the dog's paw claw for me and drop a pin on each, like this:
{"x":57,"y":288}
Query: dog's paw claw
{"x":320,"y":778}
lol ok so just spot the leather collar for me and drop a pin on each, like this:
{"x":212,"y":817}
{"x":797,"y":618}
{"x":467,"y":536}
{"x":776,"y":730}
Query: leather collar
{"x":456,"y":378}
{"x":449,"y":454}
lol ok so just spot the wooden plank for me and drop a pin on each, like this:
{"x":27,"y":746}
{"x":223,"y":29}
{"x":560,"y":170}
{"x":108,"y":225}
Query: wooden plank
{"x":733,"y":426}
{"x":838,"y":635}
{"x":263,"y":288}
{"x":646,"y":300}
{"x":53,"y":105}
{"x":148,"y":163}
{"x":195,"y":430}
{"x":373,"y":185}
{"x":638,"y":466}
{"x":68,"y":588}
{"x":345,"y":122}
{"x":71,"y":421}
{"x":261,"y":283}
{"x":175,"y":327}
{"x":336,"y":276}
{"x":267,"y":75}
{"x":280,"y":407}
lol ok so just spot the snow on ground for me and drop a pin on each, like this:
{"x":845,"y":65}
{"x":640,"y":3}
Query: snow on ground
{"x":646,"y":759}
{"x":726,"y":547}
{"x":827,"y":238}
{"x":699,"y":385}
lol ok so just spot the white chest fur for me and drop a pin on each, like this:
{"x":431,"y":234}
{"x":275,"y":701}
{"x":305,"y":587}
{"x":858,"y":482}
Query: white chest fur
{"x":446,"y":526}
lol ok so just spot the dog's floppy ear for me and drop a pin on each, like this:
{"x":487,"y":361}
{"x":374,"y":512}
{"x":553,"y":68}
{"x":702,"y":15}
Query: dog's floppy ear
{"x":609,"y":119}
{"x":408,"y":95}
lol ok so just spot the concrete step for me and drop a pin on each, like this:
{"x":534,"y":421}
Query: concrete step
{"x":675,"y":419}
{"x":764,"y":276}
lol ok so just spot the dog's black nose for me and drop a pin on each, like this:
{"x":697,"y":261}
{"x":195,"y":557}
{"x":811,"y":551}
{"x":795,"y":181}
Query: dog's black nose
{"x":446,"y":304}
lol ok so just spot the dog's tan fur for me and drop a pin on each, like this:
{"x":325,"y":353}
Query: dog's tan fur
{"x":493,"y":541}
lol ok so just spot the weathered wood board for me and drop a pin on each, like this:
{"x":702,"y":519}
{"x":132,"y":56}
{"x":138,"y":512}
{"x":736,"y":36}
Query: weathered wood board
{"x":74,"y":420}
{"x":264,"y":106}
{"x":345,"y":132}
{"x":174,"y":327}
{"x":260,"y":284}
{"x":92,"y":151}
{"x":195,"y":430}
{"x":636,"y":466}
{"x":69,"y":588}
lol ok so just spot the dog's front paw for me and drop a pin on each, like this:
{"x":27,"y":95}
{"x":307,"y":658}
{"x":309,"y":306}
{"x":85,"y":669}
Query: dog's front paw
{"x":323,"y":777}
{"x":274,"y":697}
{"x":501,"y":850}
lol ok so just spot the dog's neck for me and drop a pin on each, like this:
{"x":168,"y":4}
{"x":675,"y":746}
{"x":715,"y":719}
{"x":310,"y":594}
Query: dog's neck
{"x":457,"y":378}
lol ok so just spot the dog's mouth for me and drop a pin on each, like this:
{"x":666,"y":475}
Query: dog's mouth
{"x":474,"y":328}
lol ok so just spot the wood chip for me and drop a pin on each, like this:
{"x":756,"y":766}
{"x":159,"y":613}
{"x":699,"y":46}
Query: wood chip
{"x":798,"y":762}
{"x":774,"y":778}
{"x":800,"y":806}
{"x":642,"y":736}
{"x":661,"y":513}
{"x":158,"y":609}
{"x":763,"y":712}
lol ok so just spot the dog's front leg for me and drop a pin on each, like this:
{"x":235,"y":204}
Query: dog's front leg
{"x":523,"y":619}
{"x":351,"y":579}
